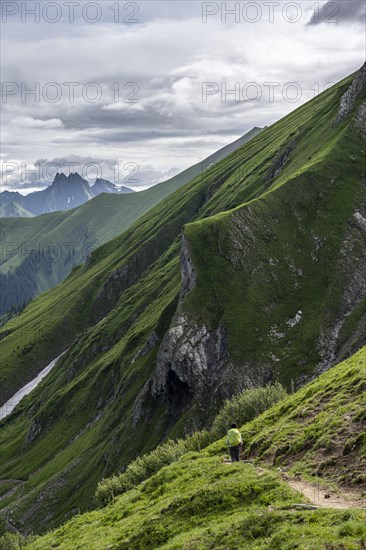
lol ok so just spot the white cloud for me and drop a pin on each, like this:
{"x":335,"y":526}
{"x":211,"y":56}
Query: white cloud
{"x":29,"y":122}
{"x":121,"y":106}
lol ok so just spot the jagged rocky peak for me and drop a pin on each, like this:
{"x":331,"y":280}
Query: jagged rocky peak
{"x":60,"y":176}
{"x":75,"y":176}
{"x":101,"y":181}
{"x":349,"y":99}
{"x":104,"y":186}
{"x":73,"y":179}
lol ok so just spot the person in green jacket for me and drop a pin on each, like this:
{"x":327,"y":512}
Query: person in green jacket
{"x":234,"y":440}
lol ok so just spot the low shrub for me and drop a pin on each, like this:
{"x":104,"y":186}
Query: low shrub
{"x":246,"y":406}
{"x":13,"y":541}
{"x":146,"y":466}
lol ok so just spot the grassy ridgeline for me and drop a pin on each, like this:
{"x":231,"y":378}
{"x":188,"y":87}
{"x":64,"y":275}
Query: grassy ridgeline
{"x":73,"y":234}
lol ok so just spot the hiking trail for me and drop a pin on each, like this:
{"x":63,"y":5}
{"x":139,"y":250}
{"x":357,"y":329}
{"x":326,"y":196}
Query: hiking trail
{"x":318,"y":494}
{"x":323,"y":497}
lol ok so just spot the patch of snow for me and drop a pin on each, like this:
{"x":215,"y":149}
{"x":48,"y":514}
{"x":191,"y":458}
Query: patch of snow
{"x":7,"y":408}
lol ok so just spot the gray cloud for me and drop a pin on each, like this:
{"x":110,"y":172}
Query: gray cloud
{"x":341,"y":11}
{"x":170,"y":53}
{"x":118,"y":171}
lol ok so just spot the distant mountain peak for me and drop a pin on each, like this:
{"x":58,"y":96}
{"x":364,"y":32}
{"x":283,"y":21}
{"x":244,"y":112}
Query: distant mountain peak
{"x":71,"y":178}
{"x":59,"y":176}
{"x":104,"y":186}
{"x":75,"y":176}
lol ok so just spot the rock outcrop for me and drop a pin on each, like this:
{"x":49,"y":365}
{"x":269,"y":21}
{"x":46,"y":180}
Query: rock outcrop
{"x":152,"y":339}
{"x":280,"y":161}
{"x":187,"y":269}
{"x":348,"y":100}
{"x":360,"y":121}
{"x":191,"y":354}
{"x":189,"y":360}
{"x":352,"y":265}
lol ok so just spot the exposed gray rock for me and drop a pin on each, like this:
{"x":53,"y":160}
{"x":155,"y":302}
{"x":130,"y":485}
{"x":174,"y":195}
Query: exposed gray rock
{"x":234,"y":379}
{"x":187,"y":269}
{"x":152,"y":339}
{"x":360,"y":121}
{"x":33,"y":432}
{"x":193,"y":361}
{"x":352,"y":267}
{"x":348,"y":100}
{"x":139,"y":403}
{"x":190,"y":359}
{"x":280,"y":161}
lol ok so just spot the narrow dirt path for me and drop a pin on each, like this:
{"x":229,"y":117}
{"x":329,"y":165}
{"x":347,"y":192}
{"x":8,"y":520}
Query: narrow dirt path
{"x":317,"y":494}
{"x":325,"y":498}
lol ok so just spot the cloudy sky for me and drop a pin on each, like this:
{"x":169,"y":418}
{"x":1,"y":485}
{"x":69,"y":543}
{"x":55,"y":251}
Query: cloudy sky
{"x":136,"y":91}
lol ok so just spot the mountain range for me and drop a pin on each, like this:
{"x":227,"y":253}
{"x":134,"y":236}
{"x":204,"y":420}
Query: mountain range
{"x":39,"y":253}
{"x":252,"y":272}
{"x":65,"y":193}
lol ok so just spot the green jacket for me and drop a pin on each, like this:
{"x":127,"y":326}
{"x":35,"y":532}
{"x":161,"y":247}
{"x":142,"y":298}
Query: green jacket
{"x":234,"y":438}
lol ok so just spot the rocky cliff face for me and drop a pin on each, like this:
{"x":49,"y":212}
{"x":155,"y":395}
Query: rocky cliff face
{"x":187,"y":269}
{"x":272,"y":282}
{"x":349,"y":99}
{"x":189,"y":360}
{"x":195,"y":359}
{"x":193,"y":362}
{"x":360,"y":122}
{"x":191,"y":355}
{"x":334,"y":346}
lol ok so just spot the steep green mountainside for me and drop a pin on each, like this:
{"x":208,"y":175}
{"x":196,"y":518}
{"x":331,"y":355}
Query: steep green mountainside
{"x":201,"y":502}
{"x":39,"y":253}
{"x":278,"y":237}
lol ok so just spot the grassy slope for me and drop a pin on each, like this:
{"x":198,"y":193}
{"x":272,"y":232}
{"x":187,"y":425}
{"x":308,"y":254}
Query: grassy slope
{"x":253,"y":278}
{"x":200,"y":502}
{"x":61,"y":240}
{"x":76,"y":426}
{"x":237,"y":179}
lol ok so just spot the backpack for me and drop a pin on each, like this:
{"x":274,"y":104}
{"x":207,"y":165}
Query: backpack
{"x":234,"y":437}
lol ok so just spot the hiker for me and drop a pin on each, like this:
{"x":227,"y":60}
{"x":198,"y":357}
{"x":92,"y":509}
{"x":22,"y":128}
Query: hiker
{"x":234,"y":440}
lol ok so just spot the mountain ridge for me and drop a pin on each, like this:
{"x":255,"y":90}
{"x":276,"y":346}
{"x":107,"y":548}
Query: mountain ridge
{"x":264,"y":250}
{"x":64,"y":193}
{"x":29,"y":265}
